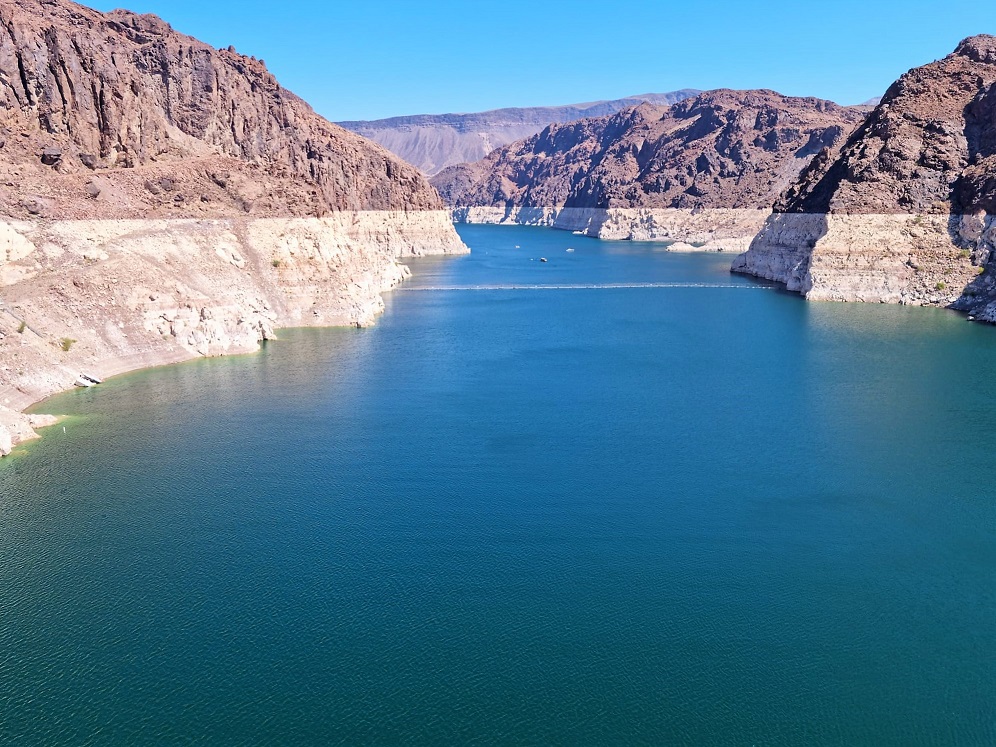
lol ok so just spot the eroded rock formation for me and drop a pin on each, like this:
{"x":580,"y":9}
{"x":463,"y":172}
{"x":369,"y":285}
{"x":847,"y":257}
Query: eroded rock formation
{"x":645,"y":171}
{"x":432,"y":142}
{"x":161,"y":199}
{"x":905,"y":212}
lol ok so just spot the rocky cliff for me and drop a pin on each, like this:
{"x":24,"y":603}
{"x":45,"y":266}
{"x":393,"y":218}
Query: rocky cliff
{"x":904,"y":212}
{"x":646,"y":171}
{"x":161,"y":200}
{"x":434,"y":141}
{"x":89,"y":102}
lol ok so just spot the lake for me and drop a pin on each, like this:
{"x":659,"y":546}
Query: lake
{"x":620,"y":496}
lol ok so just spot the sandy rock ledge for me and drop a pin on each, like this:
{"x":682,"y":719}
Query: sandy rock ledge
{"x":918,"y":260}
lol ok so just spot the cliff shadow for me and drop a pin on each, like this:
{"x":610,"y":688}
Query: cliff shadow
{"x":782,"y":251}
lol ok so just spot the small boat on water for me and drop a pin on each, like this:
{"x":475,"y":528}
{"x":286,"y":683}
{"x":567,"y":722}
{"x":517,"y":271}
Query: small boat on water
{"x":570,"y":249}
{"x":543,"y":259}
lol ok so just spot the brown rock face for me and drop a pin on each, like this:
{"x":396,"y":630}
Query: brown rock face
{"x":928,"y":147}
{"x":169,"y":126}
{"x":722,"y":149}
{"x":904,"y":213}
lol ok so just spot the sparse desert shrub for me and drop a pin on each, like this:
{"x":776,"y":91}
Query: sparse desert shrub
{"x":21,"y":327}
{"x":275,"y":262}
{"x":964,"y":254}
{"x":941,"y":285}
{"x":66,"y":343}
{"x":979,"y":270}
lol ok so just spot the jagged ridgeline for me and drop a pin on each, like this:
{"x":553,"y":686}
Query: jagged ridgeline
{"x":904,"y":213}
{"x":434,"y":141}
{"x":641,"y":173}
{"x":162,"y":200}
{"x":118,"y":114}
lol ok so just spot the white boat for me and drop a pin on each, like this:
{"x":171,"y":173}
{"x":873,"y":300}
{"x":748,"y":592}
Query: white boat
{"x":91,"y":379}
{"x":81,"y":382}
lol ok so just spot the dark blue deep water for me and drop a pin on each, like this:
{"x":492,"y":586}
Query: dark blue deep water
{"x":688,"y":514}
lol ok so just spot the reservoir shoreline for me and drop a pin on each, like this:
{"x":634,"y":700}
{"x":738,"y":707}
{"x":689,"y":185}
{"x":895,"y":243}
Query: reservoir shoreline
{"x":101,"y":298}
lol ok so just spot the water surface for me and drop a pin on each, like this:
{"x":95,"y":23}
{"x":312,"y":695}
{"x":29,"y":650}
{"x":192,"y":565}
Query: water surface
{"x":701,"y":512}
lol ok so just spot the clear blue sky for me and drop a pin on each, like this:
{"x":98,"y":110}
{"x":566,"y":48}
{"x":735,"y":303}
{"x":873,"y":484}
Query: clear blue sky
{"x":366,"y":59}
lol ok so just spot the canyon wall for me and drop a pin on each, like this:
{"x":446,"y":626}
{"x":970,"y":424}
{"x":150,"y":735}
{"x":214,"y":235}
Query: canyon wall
{"x":161,"y":199}
{"x":703,"y":173}
{"x":904,"y":213}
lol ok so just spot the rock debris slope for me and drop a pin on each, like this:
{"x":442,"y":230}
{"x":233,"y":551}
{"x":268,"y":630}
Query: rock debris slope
{"x":704,"y":170}
{"x":905,"y":212}
{"x":161,"y":199}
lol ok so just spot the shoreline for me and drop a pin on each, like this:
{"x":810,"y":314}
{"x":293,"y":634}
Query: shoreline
{"x":108,"y":297}
{"x":943,"y":260}
{"x":29,"y":416}
{"x":725,"y":230}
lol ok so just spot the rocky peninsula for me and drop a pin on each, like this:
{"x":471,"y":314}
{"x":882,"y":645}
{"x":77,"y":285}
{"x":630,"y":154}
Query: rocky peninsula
{"x":165,"y":200}
{"x":904,"y":213}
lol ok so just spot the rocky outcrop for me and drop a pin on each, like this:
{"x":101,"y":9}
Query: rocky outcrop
{"x":432,"y":142}
{"x":904,"y":212}
{"x":162,"y":200}
{"x":721,"y":150}
{"x":86,"y":96}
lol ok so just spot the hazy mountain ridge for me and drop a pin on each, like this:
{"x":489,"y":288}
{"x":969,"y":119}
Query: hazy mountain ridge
{"x":434,"y":141}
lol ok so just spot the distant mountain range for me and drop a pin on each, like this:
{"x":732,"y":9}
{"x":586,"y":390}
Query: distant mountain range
{"x":434,"y":141}
{"x":720,"y":149}
{"x":893,"y":201}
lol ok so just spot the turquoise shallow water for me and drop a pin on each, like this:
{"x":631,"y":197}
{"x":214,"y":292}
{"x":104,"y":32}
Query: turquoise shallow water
{"x":659,"y":515}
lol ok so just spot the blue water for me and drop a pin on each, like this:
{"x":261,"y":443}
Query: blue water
{"x":701,"y":513}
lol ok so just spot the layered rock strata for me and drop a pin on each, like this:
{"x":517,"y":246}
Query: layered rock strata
{"x":704,"y":171}
{"x":163,"y":200}
{"x":108,"y":296}
{"x":905,"y":212}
